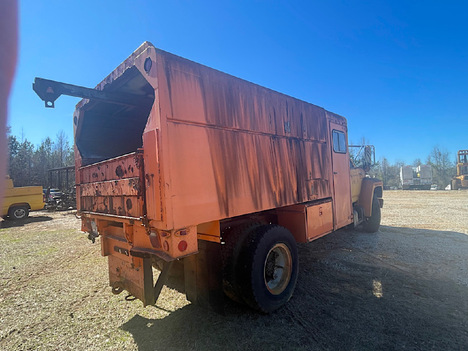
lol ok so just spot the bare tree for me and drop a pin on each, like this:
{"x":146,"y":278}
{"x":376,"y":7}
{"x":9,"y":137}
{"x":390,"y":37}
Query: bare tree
{"x":61,"y":147}
{"x":388,"y":173}
{"x":442,"y":168}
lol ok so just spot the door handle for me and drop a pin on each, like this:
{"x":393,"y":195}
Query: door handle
{"x":335,"y":172}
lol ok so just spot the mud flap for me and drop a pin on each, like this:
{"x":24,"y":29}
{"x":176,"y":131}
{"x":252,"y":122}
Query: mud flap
{"x":204,"y":276}
{"x":136,"y":277}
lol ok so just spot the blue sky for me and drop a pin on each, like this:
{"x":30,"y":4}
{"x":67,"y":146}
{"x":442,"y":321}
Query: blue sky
{"x":397,"y":70}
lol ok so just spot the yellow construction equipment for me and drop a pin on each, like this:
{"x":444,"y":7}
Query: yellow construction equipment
{"x":460,"y":181}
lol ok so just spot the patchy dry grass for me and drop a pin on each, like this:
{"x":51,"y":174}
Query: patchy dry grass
{"x":404,"y":287}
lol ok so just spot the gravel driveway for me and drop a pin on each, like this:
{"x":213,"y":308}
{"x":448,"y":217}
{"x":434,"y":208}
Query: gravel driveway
{"x":405,"y":287}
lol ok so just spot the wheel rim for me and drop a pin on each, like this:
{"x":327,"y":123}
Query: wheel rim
{"x":19,"y":213}
{"x":277,"y":269}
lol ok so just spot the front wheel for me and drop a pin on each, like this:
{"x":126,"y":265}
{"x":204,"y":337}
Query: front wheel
{"x":372,"y":223}
{"x":268,"y":268}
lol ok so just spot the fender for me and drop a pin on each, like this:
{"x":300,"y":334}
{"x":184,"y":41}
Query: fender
{"x":370,"y":186}
{"x":16,"y":204}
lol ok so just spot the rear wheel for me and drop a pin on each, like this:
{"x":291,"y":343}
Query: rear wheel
{"x":234,"y":243}
{"x":372,"y":223}
{"x":18,"y":212}
{"x":268,"y":267}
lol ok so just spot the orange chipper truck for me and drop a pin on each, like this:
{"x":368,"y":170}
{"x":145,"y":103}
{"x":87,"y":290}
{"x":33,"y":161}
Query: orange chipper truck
{"x":178,"y":162}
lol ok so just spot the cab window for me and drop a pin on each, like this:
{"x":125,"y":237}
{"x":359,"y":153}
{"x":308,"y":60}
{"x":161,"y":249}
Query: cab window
{"x":339,"y":141}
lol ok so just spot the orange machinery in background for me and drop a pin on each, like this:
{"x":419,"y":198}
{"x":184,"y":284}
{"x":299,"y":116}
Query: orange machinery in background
{"x":178,"y":161}
{"x":460,"y":181}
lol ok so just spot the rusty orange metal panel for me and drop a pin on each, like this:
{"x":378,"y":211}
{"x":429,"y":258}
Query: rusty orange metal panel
{"x":77,"y":192}
{"x":136,"y":277}
{"x":308,"y":221}
{"x":230,"y":147}
{"x":171,"y":243}
{"x":215,"y":239}
{"x":128,"y":187}
{"x":153,"y":177}
{"x":216,"y":173}
{"x":210,"y":231}
{"x":215,"y":146}
{"x":115,"y":246}
{"x":114,"y":205}
{"x":342,"y":207}
{"x":319,"y":220}
{"x":117,"y":168}
{"x":113,"y":186}
{"x":222,"y":100}
{"x":210,"y":228}
{"x":294,"y":219}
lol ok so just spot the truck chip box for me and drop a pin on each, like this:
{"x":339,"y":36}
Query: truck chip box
{"x":176,"y":161}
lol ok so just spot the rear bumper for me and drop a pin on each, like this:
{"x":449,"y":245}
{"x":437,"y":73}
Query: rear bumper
{"x":131,"y":245}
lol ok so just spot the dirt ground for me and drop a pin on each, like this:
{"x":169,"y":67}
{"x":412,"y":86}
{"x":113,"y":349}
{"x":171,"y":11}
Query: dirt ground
{"x":405,"y":287}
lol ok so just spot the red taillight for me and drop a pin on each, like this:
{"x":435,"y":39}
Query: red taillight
{"x":182,"y":245}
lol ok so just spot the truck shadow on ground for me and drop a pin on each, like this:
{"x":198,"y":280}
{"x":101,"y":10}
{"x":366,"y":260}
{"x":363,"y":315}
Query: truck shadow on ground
{"x":397,"y":289}
{"x":20,"y":223}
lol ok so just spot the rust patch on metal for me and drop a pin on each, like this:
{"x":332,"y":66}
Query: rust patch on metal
{"x":112,"y":187}
{"x":129,"y":204}
{"x":119,"y":171}
{"x":256,"y":149}
{"x":116,"y":168}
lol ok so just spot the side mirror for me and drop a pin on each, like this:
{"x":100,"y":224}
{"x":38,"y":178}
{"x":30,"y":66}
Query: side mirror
{"x":368,"y":158}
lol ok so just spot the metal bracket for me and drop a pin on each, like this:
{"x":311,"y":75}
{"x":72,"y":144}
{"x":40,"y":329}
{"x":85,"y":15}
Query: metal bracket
{"x":162,"y":279}
{"x":50,"y":90}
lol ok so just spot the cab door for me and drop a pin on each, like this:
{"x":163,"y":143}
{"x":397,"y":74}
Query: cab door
{"x":342,"y":207}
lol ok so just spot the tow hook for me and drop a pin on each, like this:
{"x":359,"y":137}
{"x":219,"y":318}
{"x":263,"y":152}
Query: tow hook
{"x":116,"y":290}
{"x":92,"y":236}
{"x":93,"y":233}
{"x":130,"y":298}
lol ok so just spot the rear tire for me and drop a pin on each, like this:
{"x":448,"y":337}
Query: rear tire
{"x":234,"y":242}
{"x":268,"y":267}
{"x":372,"y":223}
{"x":18,"y":212}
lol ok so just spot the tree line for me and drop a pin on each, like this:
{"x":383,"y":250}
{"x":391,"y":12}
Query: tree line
{"x":29,"y":164}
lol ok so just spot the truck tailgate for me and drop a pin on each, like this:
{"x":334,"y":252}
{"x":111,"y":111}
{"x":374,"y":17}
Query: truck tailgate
{"x":113,"y":187}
